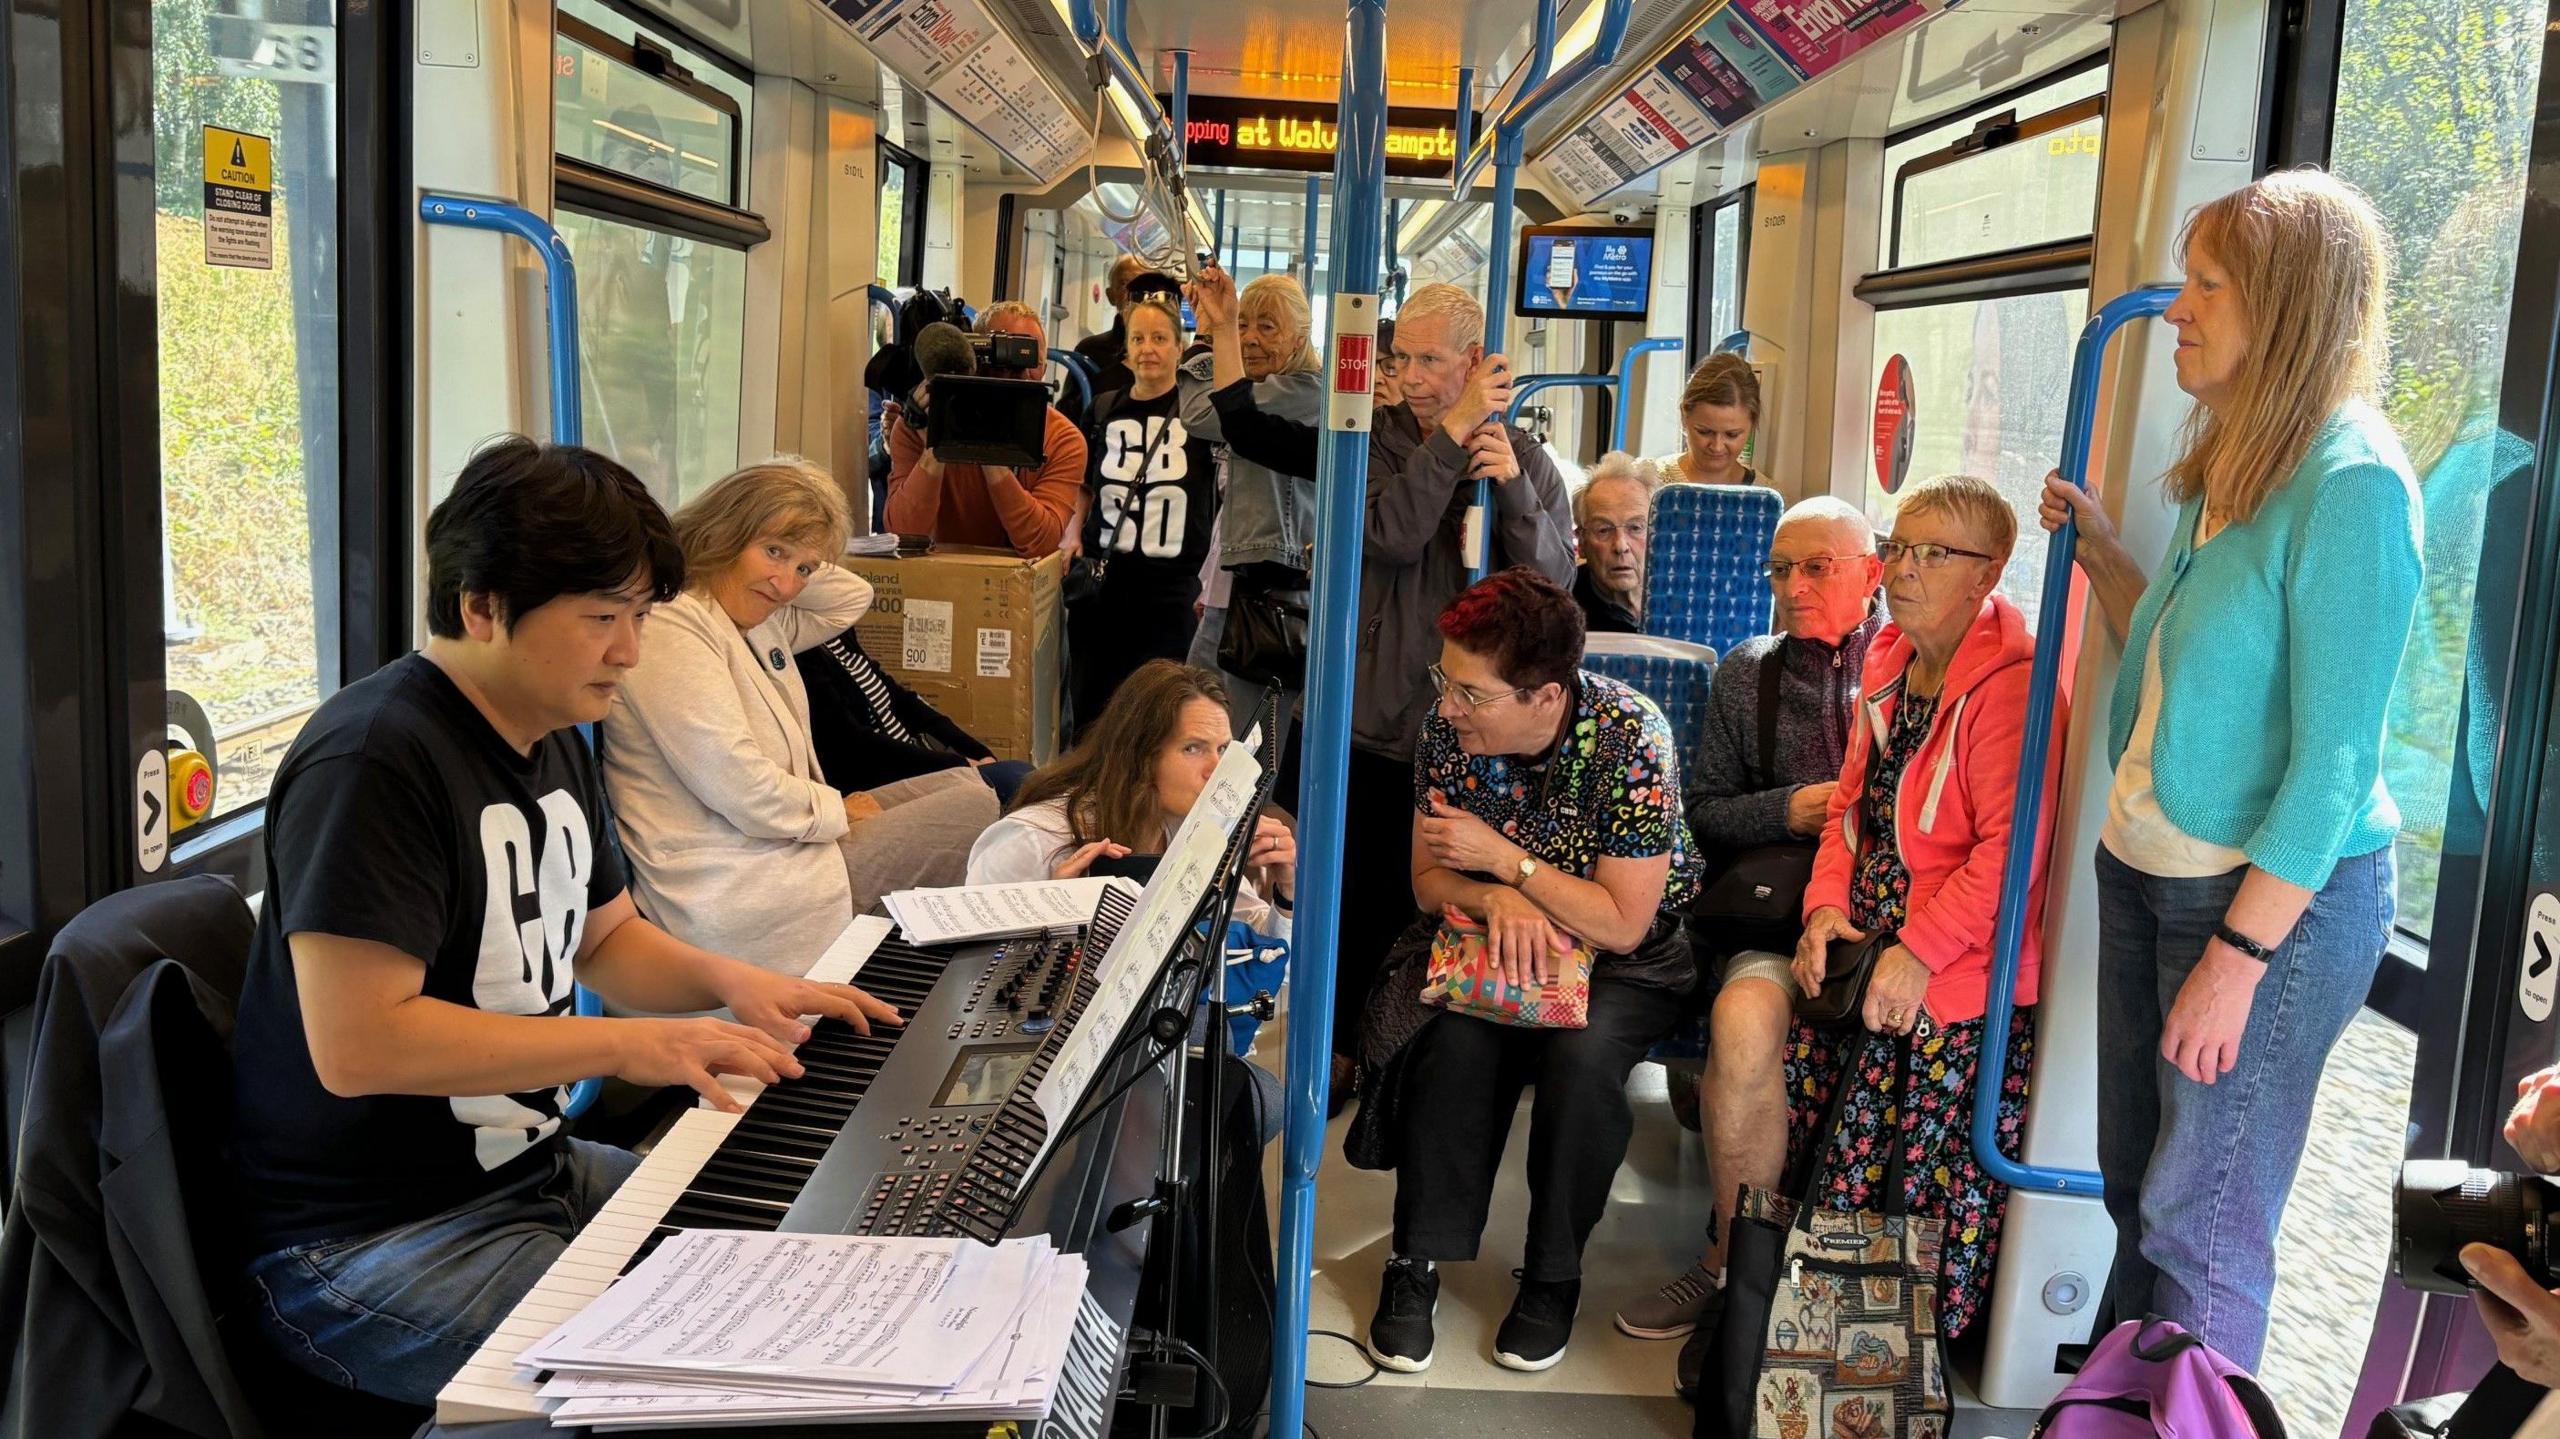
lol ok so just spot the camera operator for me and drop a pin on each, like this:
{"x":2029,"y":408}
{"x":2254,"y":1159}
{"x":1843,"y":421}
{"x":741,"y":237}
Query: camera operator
{"x":992,"y":506}
{"x":2522,"y":1315}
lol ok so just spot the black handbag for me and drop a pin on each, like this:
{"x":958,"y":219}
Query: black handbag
{"x":1265,"y":640}
{"x":1851,"y":963}
{"x":1757,"y":900}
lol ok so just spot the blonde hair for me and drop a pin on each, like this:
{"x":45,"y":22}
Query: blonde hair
{"x":1615,"y":465}
{"x":2311,"y":269}
{"x":1280,"y":295}
{"x":1450,"y":306}
{"x":785,"y":497}
{"x":1011,"y":310}
{"x":1723,"y":378}
{"x":1974,"y":503}
{"x":1163,"y":304}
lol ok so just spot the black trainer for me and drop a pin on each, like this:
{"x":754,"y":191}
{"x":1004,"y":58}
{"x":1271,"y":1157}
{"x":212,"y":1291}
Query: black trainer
{"x":1533,"y":1334}
{"x":1408,"y":1295}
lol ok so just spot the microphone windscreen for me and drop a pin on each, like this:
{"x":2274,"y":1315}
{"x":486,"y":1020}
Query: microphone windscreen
{"x":943,"y":350}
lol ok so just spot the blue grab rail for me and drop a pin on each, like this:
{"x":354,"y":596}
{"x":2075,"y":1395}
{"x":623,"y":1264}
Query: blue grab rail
{"x":1658,"y":344}
{"x":1359,"y":203}
{"x":2078,"y":422}
{"x":1077,"y":368}
{"x":568,"y":412}
{"x":1737,"y":343}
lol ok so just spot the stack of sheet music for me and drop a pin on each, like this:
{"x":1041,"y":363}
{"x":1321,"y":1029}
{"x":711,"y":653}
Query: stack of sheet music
{"x":964,"y":913}
{"x":720,"y":1327}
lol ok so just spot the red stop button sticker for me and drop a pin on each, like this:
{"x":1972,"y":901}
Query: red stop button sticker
{"x":1351,"y":358}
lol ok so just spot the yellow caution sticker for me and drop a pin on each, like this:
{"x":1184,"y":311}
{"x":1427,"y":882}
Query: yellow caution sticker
{"x":239,"y":199}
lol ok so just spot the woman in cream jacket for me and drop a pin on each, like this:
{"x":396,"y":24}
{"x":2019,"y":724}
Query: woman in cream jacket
{"x":737,"y":842}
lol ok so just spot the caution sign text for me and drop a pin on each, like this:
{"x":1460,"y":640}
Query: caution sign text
{"x":239,"y":199}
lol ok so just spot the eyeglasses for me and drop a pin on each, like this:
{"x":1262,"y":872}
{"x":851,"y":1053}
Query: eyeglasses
{"x":1926,"y":556}
{"x":1468,"y":700}
{"x":1815,"y":567}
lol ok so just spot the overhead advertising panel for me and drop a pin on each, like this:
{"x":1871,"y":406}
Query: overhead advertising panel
{"x":1744,"y":56}
{"x":1422,"y":144}
{"x":957,"y":52}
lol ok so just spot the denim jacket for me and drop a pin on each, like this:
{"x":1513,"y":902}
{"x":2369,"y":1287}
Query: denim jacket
{"x":1269,"y":517}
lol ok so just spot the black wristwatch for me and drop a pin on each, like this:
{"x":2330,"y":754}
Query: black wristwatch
{"x":2262,"y":953}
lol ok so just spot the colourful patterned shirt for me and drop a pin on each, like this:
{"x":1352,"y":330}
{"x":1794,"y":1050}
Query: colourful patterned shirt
{"x":1609,"y":790}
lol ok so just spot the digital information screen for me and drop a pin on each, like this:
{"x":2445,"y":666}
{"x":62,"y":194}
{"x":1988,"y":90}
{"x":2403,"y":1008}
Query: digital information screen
{"x":1585,"y":271}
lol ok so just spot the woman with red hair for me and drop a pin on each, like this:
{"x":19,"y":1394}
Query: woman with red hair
{"x":1547,"y":811}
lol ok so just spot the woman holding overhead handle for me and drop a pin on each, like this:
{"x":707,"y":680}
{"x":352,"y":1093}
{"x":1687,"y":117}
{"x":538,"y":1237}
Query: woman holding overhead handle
{"x":2244,"y":874}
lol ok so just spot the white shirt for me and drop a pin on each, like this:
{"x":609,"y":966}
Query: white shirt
{"x":1027,"y":844}
{"x":2137,"y":830}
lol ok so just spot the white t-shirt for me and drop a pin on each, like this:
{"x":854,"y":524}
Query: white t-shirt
{"x":1027,"y":844}
{"x":2137,"y":830}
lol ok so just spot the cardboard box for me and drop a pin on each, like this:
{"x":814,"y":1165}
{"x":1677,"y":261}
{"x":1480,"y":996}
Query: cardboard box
{"x":976,"y":633}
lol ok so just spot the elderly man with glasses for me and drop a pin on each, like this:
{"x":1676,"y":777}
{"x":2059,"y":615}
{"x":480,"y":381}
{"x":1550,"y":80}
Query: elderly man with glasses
{"x":1798,"y":688}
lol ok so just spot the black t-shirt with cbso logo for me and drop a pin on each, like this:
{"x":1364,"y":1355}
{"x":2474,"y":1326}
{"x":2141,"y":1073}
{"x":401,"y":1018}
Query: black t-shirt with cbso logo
{"x":1155,"y":493}
{"x":400,"y":816}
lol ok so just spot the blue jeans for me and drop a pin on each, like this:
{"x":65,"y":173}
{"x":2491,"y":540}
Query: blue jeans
{"x":396,"y":1313}
{"x":2196,"y":1174}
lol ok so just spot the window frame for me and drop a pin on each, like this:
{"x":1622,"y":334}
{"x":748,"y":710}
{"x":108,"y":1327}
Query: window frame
{"x":1996,"y":131}
{"x":78,"y":258}
{"x":912,"y":199}
{"x":1702,"y":266}
{"x":647,"y":57}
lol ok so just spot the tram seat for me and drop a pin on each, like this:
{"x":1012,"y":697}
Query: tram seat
{"x":1676,"y":675}
{"x":1703,"y":581}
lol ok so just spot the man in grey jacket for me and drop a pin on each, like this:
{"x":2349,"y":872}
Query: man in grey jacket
{"x":1823,"y":574}
{"x":1425,"y":455}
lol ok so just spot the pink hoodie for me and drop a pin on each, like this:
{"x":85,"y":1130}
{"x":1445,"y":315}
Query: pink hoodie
{"x":1952,"y":817}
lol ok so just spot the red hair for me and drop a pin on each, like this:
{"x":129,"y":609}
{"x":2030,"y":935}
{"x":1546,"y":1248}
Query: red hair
{"x":1525,"y":623}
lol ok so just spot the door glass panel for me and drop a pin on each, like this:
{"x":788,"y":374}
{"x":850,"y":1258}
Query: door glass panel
{"x":2045,"y":188}
{"x":1724,"y":303}
{"x":661,"y":344}
{"x":893,"y":221}
{"x":635,"y":124}
{"x":2434,"y":119}
{"x":248,"y":374}
{"x":1985,"y":401}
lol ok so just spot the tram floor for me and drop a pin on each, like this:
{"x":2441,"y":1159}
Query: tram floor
{"x":2330,"y":1259}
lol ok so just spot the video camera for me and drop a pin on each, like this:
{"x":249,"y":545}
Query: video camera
{"x":2444,"y":1204}
{"x":1007,"y":351}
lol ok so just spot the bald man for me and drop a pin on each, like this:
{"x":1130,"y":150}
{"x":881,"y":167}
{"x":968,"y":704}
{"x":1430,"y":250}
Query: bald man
{"x":1823,"y":574}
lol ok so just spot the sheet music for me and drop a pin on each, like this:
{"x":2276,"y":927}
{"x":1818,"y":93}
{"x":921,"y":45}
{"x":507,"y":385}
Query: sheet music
{"x":1138,"y":952}
{"x":889,"y":1312}
{"x":994,"y":911}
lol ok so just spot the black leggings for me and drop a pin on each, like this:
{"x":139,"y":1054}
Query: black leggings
{"x":1377,"y":883}
{"x":1462,"y":1086}
{"x":1113,"y":632}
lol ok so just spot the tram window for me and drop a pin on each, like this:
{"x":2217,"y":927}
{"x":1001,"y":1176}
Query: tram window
{"x":248,"y":393}
{"x":684,"y":128}
{"x":1951,"y":198}
{"x":2434,"y":121}
{"x":662,"y":344}
{"x":1984,"y":402}
{"x":902,"y":193}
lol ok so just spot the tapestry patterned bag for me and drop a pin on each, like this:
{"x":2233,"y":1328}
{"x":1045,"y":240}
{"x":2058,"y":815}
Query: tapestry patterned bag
{"x":1464,"y":979}
{"x":1831,"y":1316}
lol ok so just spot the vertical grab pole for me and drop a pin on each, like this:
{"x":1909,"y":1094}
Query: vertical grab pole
{"x":568,"y":411}
{"x":1359,"y":196}
{"x":1510,"y":146}
{"x":2078,"y":422}
{"x":1307,"y":235}
{"x":1627,"y":381}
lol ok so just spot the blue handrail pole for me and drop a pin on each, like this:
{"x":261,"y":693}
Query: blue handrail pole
{"x":1528,"y":385}
{"x":1738,"y":343}
{"x":1307,"y":236}
{"x":1627,"y":380}
{"x":1112,"y":49}
{"x":1466,"y":128}
{"x":1508,"y":147}
{"x":568,"y":423}
{"x":1074,"y":365}
{"x":1218,"y":224}
{"x":568,"y":412}
{"x":1542,"y":56}
{"x":2078,"y":425}
{"x":1359,"y":196}
{"x":883,"y":295}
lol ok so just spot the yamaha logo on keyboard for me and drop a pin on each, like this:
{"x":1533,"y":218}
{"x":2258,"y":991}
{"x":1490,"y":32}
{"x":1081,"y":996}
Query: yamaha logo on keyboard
{"x":1091,"y":1381}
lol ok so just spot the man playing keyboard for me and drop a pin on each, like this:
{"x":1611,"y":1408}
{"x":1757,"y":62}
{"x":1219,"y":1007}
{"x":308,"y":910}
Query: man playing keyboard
{"x":441,"y":872}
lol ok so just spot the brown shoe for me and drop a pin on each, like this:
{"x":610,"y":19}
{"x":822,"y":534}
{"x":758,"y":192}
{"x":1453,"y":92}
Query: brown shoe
{"x":1345,"y":1084}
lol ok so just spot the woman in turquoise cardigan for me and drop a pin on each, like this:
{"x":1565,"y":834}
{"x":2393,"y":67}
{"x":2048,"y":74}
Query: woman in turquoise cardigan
{"x":2244,"y":873}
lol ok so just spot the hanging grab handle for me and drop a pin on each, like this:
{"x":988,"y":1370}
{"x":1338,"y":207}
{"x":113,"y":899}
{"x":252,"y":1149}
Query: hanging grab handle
{"x":2001,"y":1001}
